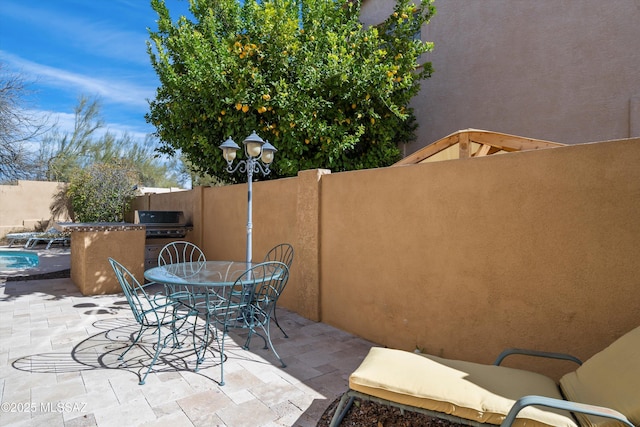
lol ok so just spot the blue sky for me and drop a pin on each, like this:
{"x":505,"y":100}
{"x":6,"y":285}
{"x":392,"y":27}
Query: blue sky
{"x":67,"y":48}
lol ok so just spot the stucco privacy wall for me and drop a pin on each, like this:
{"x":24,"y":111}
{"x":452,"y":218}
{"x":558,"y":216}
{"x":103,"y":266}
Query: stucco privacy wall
{"x":26,"y":205}
{"x":284,"y":210}
{"x":563,"y":71}
{"x":463,"y":258}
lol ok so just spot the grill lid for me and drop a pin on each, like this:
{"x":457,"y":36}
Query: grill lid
{"x":160,"y":218}
{"x":162,"y":223}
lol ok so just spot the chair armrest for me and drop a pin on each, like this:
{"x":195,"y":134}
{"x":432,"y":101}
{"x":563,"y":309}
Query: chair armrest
{"x":536,"y":353}
{"x":562,"y":404}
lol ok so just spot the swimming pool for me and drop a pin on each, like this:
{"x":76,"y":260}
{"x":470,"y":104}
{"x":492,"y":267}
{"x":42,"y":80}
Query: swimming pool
{"x":18,"y":260}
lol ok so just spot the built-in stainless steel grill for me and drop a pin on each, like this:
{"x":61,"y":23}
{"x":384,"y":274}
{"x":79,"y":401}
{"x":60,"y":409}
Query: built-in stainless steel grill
{"x":161,"y":227}
{"x":162,"y":224}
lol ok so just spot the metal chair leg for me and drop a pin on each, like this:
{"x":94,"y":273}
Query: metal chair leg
{"x":135,"y":341}
{"x":155,"y":357}
{"x":341,"y":410}
{"x":275,"y":318}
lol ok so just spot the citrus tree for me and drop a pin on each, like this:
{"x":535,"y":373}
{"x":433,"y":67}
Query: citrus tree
{"x":306,"y":75}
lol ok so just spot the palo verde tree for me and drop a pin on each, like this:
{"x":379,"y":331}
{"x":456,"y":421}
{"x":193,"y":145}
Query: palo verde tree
{"x":305,"y":74}
{"x":61,"y":153}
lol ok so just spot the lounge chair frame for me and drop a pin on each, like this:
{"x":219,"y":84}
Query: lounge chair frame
{"x":49,"y":237}
{"x":13,"y":238}
{"x":347,"y":399}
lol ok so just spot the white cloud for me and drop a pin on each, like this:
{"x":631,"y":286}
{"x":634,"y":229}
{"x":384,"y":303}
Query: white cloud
{"x":65,"y":123}
{"x":110,"y":90}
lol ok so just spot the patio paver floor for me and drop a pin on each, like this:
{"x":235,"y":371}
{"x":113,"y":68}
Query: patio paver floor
{"x":59,"y":367}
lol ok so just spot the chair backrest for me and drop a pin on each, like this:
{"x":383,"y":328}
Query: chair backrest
{"x":253,"y":295}
{"x":282,"y":252}
{"x":139,"y":301}
{"x":180,"y":251}
{"x":267,"y":291}
{"x":609,"y":378}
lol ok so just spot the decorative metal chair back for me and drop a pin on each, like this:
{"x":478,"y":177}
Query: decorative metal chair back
{"x":138,"y":299}
{"x":180,"y":251}
{"x":282,"y":252}
{"x":249,"y":303}
{"x":266,"y":293}
{"x":183,"y":252}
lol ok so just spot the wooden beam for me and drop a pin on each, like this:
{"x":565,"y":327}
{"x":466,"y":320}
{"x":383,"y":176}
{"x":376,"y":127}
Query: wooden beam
{"x":464,"y":146}
{"x":496,"y":142}
{"x":508,"y":142}
{"x":429,"y":150}
{"x":483,"y":150}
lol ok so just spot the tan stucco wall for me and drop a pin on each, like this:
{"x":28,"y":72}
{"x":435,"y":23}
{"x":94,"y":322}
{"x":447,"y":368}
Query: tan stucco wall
{"x":464,"y":258}
{"x":26,"y":206}
{"x":559,"y":71}
{"x":284,"y":210}
{"x":460,"y":258}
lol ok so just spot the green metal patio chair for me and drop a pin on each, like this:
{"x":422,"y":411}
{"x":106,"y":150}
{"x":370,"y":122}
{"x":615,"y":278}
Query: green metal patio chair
{"x":151,"y":312}
{"x":180,"y":251}
{"x":248,"y":304}
{"x":283,"y":253}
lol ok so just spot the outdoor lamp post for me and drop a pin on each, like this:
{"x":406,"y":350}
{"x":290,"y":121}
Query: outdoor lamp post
{"x":255,"y":149}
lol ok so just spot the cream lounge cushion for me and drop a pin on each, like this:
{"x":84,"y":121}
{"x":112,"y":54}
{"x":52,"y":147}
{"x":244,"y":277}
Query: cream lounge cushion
{"x":610,"y":378}
{"x":482,"y":393}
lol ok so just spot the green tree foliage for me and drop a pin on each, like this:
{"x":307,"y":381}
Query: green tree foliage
{"x":305,"y":74}
{"x":102,"y":192}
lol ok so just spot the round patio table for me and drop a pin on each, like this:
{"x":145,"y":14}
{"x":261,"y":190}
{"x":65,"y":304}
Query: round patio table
{"x":205,"y":286}
{"x":200,"y":274}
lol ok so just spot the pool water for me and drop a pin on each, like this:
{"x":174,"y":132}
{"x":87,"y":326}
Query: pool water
{"x":17,"y":260}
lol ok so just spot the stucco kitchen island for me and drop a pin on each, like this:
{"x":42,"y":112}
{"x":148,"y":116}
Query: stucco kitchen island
{"x":91,"y":246}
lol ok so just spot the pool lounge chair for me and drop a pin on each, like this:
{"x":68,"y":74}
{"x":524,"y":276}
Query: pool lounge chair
{"x":20,"y":237}
{"x":603,"y":391}
{"x":49,"y":237}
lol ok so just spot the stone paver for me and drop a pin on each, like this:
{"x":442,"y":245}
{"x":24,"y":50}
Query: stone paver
{"x":59,"y":367}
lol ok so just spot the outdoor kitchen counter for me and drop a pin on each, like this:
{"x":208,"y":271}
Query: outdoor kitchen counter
{"x":98,"y":226}
{"x":92,"y":244}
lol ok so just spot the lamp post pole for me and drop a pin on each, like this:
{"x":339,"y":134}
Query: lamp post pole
{"x":259,"y":155}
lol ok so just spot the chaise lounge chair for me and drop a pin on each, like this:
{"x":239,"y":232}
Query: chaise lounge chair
{"x":603,"y":391}
{"x":49,"y":237}
{"x":20,"y":237}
